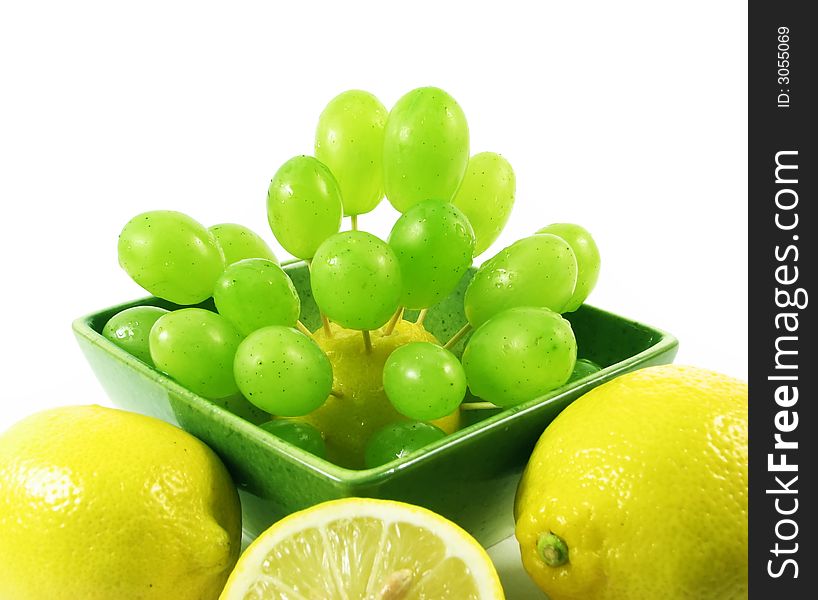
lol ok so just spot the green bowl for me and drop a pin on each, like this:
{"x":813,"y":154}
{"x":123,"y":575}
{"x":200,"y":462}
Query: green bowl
{"x":469,"y":476}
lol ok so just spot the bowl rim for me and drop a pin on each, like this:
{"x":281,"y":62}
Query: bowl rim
{"x":323,"y":468}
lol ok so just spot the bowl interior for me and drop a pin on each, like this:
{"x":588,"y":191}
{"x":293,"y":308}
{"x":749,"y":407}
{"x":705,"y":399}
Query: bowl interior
{"x":469,"y":476}
{"x":609,"y":340}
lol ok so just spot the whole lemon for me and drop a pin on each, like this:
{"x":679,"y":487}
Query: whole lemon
{"x":349,"y":420}
{"x":639,"y":490}
{"x":98,"y":503}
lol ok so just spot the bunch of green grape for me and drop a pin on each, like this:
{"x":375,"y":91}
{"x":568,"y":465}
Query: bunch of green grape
{"x":220,"y":353}
{"x":248,"y":343}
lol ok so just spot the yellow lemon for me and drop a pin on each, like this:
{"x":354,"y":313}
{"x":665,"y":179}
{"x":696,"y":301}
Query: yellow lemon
{"x":97,"y":503}
{"x":347,"y":422}
{"x":639,"y":490}
{"x":359,"y":548}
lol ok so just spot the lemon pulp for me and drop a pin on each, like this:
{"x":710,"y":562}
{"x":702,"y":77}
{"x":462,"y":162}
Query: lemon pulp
{"x":364,"y":549}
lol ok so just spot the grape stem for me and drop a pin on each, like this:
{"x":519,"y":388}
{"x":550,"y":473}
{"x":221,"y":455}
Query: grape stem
{"x":303,"y":329}
{"x":457,"y":336}
{"x":354,"y":220}
{"x":390,"y":327}
{"x":336,"y":393}
{"x":477,"y":406}
{"x":367,"y":341}
{"x":422,"y":316}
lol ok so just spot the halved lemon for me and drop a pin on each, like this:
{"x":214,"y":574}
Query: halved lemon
{"x":364,"y":549}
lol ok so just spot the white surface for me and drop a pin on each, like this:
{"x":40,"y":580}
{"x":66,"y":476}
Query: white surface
{"x":516,"y":583}
{"x":628,"y":117}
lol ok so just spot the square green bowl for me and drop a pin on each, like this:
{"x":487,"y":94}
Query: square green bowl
{"x":469,"y":476}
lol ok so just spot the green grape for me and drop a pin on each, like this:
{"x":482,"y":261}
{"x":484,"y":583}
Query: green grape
{"x":238,"y":242}
{"x":349,"y":140}
{"x":130,"y":329}
{"x":434,"y":243}
{"x":583,"y":368}
{"x":486,"y":197}
{"x":299,"y":434}
{"x":519,"y":355}
{"x":254,"y":293}
{"x":196,"y":347}
{"x":283,"y":372}
{"x":398,"y":440}
{"x":588,"y":261}
{"x":425,"y":149}
{"x":356,"y":280}
{"x":303,"y":205}
{"x":424,"y":381}
{"x":540,"y":270}
{"x":171,"y":255}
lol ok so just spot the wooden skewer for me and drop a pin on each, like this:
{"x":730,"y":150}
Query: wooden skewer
{"x":327,"y":328}
{"x":303,"y":328}
{"x":457,"y":336}
{"x":390,"y":327}
{"x":422,"y":316}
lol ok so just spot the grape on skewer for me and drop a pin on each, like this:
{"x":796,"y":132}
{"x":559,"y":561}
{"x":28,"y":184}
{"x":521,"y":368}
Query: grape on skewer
{"x":486,"y":197}
{"x":304,"y":205}
{"x":349,"y":141}
{"x":238,"y":242}
{"x":425,"y":149}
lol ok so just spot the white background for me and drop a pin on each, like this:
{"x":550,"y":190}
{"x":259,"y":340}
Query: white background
{"x":627,"y":117}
